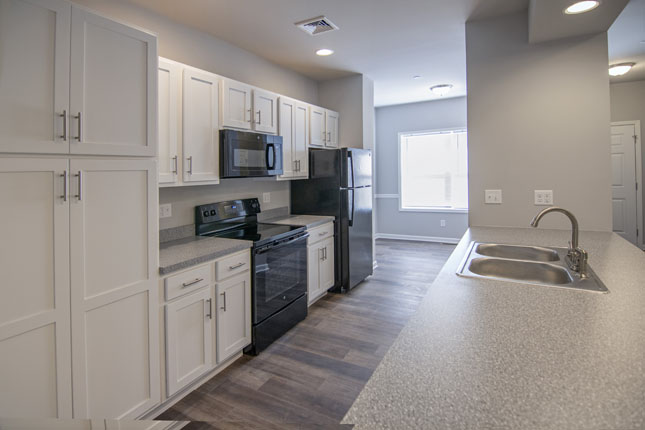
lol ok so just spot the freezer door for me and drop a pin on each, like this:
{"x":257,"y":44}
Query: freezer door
{"x":359,"y":168}
{"x":359,"y":234}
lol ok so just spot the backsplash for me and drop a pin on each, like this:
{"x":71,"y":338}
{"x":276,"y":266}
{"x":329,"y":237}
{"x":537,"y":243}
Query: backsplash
{"x":184,"y":199}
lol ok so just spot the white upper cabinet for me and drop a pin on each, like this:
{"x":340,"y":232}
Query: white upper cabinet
{"x":294,"y":129}
{"x":169,"y":86}
{"x":265,"y":111}
{"x":331,"y":129}
{"x":301,"y":140}
{"x":318,"y":134}
{"x":34,"y":76}
{"x":200,"y":127}
{"x":113,"y":93}
{"x":236,"y":104}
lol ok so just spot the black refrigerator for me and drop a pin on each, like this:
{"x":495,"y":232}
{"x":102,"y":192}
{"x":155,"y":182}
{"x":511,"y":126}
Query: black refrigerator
{"x":340,"y":185}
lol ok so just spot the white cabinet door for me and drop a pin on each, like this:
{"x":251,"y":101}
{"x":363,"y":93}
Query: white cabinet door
{"x":233,"y":316}
{"x":34,"y":75}
{"x":265,"y":111}
{"x":189,"y":339}
{"x":318,"y":134}
{"x":113,"y":87}
{"x":331,"y":129}
{"x":169,"y":86}
{"x":35,"y":374}
{"x":200,"y":126}
{"x":313,"y":271}
{"x":114,"y":293}
{"x":301,"y":141}
{"x":326,"y":265}
{"x":236,"y":105}
{"x":287,"y":109}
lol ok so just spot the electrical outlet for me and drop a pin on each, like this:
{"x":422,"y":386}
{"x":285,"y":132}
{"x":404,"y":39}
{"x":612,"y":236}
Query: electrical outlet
{"x":543,"y":197}
{"x":266,"y":197}
{"x":493,"y":197}
{"x":165,"y":211}
{"x":442,"y":223}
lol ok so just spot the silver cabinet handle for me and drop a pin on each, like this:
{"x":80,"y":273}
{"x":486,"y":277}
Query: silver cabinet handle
{"x":188,"y":284}
{"x":329,"y":136}
{"x":321,"y":254}
{"x":176,"y":164}
{"x":224,"y":305}
{"x":210,"y":308}
{"x":237,"y":266}
{"x":325,"y":252}
{"x":259,"y":117}
{"x":190,"y":165}
{"x":324,"y":136}
{"x":298,"y":165}
{"x":64,"y":196}
{"x":250,"y":120}
{"x":322,"y":234}
{"x":64,"y":115}
{"x":79,"y":175}
{"x":78,"y":117}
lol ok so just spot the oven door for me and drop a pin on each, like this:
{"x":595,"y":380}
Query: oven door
{"x":280,"y":276}
{"x":246,"y":154}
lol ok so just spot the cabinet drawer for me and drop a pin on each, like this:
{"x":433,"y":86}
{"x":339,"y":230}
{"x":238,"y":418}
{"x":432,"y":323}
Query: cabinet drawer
{"x":188,"y":281}
{"x":232,"y":265}
{"x":319,"y":233}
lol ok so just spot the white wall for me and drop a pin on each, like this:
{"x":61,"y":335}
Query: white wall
{"x":345,"y":96}
{"x":628,"y":104}
{"x":390,"y":121}
{"x":538,"y":118}
{"x":199,"y":49}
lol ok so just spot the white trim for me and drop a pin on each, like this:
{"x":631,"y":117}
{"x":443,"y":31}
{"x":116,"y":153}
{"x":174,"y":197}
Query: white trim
{"x":436,"y":210}
{"x":386,"y":196}
{"x":449,"y":240}
{"x":639,"y":179}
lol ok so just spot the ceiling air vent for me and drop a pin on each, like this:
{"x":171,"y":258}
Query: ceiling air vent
{"x":315,"y":26}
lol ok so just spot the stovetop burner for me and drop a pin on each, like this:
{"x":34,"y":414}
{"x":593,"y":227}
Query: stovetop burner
{"x":258,"y":233}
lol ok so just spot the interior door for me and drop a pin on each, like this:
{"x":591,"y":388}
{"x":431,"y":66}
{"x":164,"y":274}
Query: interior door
{"x":287,"y":111}
{"x":265,"y":106}
{"x":623,"y":186}
{"x":236,"y":105}
{"x":35,"y":374}
{"x":34,"y":75}
{"x":200,"y":126}
{"x":169,"y":84}
{"x":113,"y":87}
{"x":114,"y":292}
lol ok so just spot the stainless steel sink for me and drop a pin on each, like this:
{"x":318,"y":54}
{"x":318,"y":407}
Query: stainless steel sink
{"x":525,"y":264}
{"x":517,"y":252}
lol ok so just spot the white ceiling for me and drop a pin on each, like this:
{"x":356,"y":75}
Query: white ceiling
{"x":627,"y":41}
{"x":390,"y":41}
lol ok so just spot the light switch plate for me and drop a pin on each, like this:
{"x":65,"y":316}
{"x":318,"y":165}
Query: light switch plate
{"x":165,"y":211}
{"x":493,"y":197}
{"x":543,"y":197}
{"x":266,"y":197}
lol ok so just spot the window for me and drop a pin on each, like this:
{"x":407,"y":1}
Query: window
{"x":434,"y":171}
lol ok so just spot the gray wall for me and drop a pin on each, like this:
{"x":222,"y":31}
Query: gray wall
{"x":628,"y":104}
{"x":198,"y":49}
{"x":538,"y":118}
{"x":390,"y":121}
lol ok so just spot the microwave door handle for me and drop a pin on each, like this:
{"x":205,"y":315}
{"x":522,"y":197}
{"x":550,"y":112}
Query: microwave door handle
{"x":271,"y":165}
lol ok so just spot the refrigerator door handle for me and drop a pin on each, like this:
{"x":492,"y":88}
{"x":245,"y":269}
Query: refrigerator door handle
{"x":350,"y":202}
{"x":351,"y":169}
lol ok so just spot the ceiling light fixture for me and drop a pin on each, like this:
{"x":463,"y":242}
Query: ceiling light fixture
{"x":416,"y":77}
{"x":582,"y":7}
{"x":620,"y":69}
{"x":441,"y":90}
{"x":324,"y":52}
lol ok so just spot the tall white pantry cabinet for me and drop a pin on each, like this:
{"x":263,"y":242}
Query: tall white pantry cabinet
{"x":78,"y":222}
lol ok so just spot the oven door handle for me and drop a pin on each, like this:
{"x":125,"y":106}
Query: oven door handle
{"x":270,"y":166}
{"x":268,"y":248}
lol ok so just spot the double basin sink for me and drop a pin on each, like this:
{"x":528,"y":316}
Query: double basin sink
{"x":525,"y":264}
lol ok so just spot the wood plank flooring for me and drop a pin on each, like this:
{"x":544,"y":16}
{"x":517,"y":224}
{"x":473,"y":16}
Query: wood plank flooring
{"x":310,"y":377}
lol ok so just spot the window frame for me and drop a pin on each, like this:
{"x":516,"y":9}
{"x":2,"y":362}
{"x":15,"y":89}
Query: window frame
{"x":435,"y":209}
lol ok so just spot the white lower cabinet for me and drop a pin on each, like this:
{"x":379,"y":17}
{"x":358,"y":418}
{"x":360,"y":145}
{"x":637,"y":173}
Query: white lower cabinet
{"x":189,"y":338}
{"x":233,"y":316}
{"x":320,"y":262}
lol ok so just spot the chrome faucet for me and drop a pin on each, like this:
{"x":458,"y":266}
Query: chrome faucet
{"x":576,"y":257}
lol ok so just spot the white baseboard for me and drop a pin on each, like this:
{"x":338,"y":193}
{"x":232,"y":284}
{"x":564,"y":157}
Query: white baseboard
{"x":450,"y":240}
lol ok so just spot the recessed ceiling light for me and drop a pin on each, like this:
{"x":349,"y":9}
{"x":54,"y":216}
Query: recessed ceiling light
{"x":582,"y":7}
{"x":416,"y":77}
{"x":324,"y":52}
{"x":620,"y":69}
{"x":441,"y":90}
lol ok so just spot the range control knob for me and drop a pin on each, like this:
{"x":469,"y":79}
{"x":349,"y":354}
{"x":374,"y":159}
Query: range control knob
{"x":205,"y":214}
{"x":213,"y":212}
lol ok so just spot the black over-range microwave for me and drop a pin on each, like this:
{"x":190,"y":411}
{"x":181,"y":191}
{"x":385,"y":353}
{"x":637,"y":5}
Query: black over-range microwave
{"x":245,"y":154}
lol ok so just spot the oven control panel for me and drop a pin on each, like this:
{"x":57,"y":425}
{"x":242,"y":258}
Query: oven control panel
{"x":219,"y":211}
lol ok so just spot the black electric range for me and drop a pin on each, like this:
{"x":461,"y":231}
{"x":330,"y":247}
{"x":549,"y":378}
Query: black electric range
{"x":279,"y":265}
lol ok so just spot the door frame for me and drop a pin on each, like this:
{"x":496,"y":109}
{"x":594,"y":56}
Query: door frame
{"x":639,"y":178}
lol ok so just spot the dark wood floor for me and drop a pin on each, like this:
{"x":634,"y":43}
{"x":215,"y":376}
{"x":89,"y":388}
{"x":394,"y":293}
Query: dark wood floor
{"x":311,"y":376}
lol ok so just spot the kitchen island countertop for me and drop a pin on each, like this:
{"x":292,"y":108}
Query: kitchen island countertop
{"x":483,"y":353}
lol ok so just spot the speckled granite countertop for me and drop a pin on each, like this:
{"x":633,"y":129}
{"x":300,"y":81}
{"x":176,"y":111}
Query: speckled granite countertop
{"x":182,"y":253}
{"x":491,"y":354}
{"x":309,"y":221}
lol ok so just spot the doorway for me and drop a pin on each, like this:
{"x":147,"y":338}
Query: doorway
{"x":626,"y":166}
